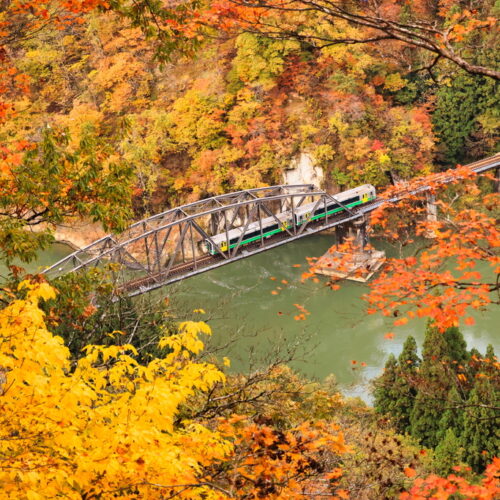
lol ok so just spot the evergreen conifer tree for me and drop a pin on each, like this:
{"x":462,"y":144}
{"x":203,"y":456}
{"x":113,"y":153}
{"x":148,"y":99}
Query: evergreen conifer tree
{"x":425,"y":418}
{"x":435,"y":350}
{"x":490,"y":353}
{"x":404,"y":390}
{"x":384,"y":386}
{"x":448,"y":453}
{"x":489,"y":365}
{"x":475,"y":352}
{"x":456,"y":118}
{"x":433,"y":388}
{"x":474,"y":363}
{"x":453,"y":416}
{"x":408,"y":359}
{"x":457,"y":347}
{"x":481,"y":435}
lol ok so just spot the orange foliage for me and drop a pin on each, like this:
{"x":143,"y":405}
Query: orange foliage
{"x":271,"y":463}
{"x":438,"y":283}
{"x":435,"y":487}
{"x":20,"y":20}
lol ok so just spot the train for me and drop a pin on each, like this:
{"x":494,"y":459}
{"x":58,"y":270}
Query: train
{"x":270,"y":226}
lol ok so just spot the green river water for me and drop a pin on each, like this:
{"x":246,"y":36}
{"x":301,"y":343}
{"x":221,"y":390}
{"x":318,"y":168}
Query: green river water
{"x":253,"y":326}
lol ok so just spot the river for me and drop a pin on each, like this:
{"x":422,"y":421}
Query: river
{"x":252,"y":325}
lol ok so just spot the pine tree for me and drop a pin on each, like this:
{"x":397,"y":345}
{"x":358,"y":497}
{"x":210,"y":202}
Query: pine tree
{"x":456,"y":118}
{"x":408,"y":359}
{"x":395,"y":392}
{"x":490,"y":353}
{"x":474,"y":363}
{"x":489,"y":366}
{"x":425,"y":417}
{"x":384,"y":385}
{"x":448,"y":453}
{"x":453,"y":416}
{"x":433,"y":388}
{"x":434,"y":350}
{"x":475,"y":352}
{"x":404,"y":390}
{"x":457,"y":347}
{"x":481,"y":436}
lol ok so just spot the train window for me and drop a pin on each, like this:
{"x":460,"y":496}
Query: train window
{"x":253,"y":234}
{"x":321,"y":209}
{"x":333,"y":206}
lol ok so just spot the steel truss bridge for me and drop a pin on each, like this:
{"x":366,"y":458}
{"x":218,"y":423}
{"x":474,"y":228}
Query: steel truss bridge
{"x":169,"y":246}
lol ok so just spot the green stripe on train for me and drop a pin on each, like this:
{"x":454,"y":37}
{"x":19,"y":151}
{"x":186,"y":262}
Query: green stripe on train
{"x":270,"y":233}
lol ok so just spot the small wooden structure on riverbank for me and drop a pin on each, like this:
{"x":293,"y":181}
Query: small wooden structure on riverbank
{"x":352,"y":257}
{"x":356,"y":266}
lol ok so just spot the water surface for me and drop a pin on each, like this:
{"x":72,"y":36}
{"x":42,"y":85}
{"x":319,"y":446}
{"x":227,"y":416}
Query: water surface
{"x":238,"y":300}
{"x":252,"y":326}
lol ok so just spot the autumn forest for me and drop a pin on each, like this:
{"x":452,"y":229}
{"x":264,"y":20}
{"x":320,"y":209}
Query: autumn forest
{"x":112,"y":111}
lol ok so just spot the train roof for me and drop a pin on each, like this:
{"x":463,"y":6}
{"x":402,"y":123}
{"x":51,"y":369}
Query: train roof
{"x":344,"y":195}
{"x":236,"y":232}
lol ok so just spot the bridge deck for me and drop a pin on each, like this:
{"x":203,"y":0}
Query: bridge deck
{"x":158,"y":248}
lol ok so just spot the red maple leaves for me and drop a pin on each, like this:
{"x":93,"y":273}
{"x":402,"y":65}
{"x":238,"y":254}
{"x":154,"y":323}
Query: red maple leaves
{"x":456,"y":272}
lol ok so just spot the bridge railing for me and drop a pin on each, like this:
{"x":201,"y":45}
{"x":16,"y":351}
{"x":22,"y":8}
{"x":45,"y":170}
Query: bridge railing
{"x":85,"y":255}
{"x":155,"y":249}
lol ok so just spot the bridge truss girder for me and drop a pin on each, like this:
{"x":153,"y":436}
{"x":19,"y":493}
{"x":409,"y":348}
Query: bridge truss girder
{"x":165,"y":248}
{"x":83,"y":256}
{"x":161,"y":253}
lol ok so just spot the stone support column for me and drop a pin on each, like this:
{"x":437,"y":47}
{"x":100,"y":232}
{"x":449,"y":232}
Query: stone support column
{"x":356,"y":230}
{"x":341,"y":233}
{"x":358,"y":264}
{"x":360,"y":233}
{"x":431,"y":208}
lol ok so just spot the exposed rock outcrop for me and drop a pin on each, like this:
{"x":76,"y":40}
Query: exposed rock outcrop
{"x":303,"y":171}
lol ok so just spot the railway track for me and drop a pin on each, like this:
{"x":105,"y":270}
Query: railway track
{"x":174,"y":271}
{"x":208,"y":262}
{"x":111,"y":249}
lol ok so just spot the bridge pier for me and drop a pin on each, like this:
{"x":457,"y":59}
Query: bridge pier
{"x":432,"y":209}
{"x":432,"y":213}
{"x":351,"y":257}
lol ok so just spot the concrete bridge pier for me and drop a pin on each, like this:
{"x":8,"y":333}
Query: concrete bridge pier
{"x":432,"y":210}
{"x":357,"y":263}
{"x":355,"y":231}
{"x":432,"y":213}
{"x":341,"y":233}
{"x":360,"y":230}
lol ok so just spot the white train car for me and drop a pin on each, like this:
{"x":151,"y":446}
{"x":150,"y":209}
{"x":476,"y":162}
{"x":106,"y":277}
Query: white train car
{"x":270,"y":226}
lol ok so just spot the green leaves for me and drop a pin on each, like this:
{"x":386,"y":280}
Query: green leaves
{"x":447,"y":401}
{"x":55,"y":179}
{"x":466,"y":110}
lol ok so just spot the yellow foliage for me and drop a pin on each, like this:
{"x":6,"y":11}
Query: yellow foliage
{"x":394,"y":82}
{"x":194,"y":119}
{"x":105,"y":427}
{"x":259,"y":60}
{"x":80,"y":115}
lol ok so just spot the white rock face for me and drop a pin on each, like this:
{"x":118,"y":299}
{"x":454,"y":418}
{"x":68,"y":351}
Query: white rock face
{"x":303,"y":171}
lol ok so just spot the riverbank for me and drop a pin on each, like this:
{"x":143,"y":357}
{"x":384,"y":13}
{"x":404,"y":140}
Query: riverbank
{"x":77,"y":234}
{"x":252,"y":325}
